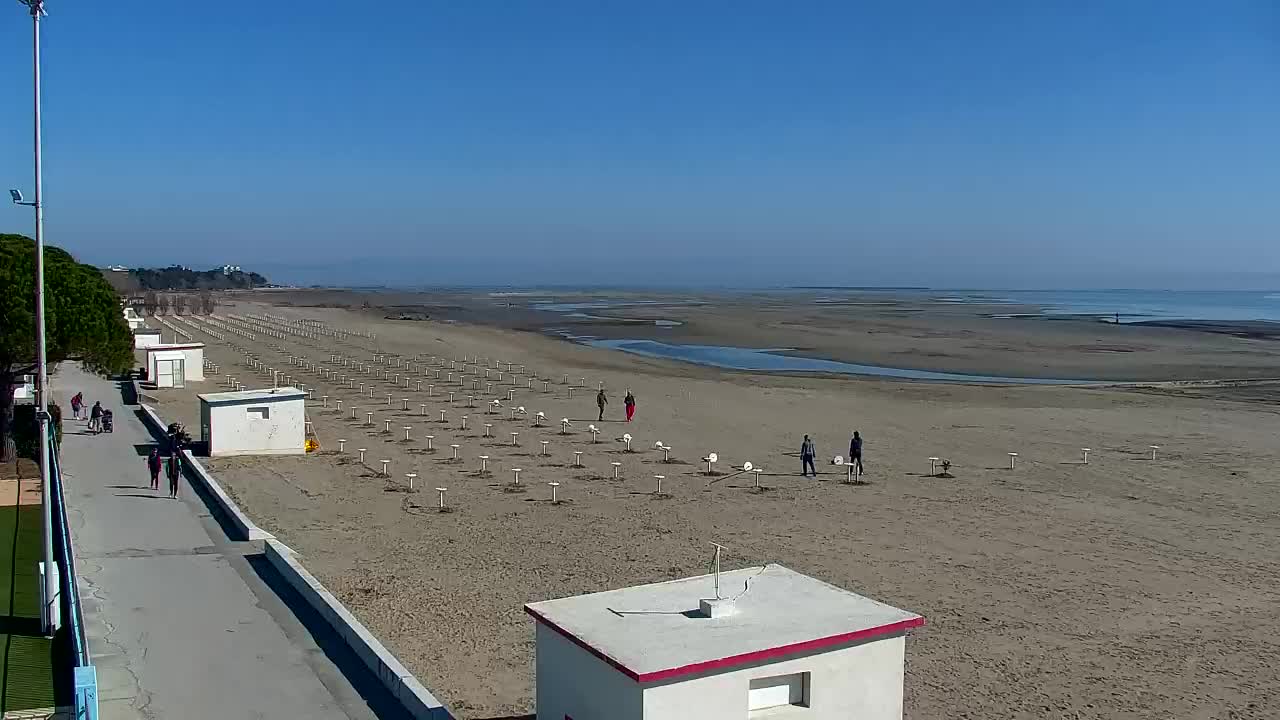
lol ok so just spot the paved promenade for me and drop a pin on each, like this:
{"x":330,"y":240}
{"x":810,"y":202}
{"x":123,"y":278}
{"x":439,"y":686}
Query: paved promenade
{"x":180,"y":623}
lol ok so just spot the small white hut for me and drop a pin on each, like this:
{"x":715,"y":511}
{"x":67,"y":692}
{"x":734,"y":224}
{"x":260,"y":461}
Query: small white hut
{"x":254,"y":422}
{"x":144,"y":338}
{"x":175,"y":364}
{"x":774,"y":643}
{"x":132,"y":317}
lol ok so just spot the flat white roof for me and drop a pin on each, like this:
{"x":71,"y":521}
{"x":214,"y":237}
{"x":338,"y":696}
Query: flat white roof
{"x":655,"y":632}
{"x":238,"y":396}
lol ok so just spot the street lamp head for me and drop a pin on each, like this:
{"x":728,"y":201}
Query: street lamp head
{"x":16,"y":195}
{"x":37,"y":6}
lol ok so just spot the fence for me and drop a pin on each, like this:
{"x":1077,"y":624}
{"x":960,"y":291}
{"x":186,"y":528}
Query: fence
{"x":85,"y":676}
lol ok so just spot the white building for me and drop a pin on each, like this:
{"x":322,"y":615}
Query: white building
{"x":254,"y":422}
{"x":781,"y":645}
{"x":145,"y":337}
{"x":25,"y":388}
{"x":175,"y":364}
{"x":132,"y":317}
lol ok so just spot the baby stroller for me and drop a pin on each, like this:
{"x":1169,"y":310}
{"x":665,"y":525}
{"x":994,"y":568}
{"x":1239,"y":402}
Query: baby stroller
{"x":107,"y":423}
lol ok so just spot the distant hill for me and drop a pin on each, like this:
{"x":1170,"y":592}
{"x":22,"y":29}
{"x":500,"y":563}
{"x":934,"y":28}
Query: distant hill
{"x":180,"y":278}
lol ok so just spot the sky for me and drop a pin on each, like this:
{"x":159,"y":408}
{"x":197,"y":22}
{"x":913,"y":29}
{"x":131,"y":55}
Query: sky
{"x":982,"y":144}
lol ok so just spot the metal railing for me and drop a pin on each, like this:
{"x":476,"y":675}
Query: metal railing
{"x":85,"y":680}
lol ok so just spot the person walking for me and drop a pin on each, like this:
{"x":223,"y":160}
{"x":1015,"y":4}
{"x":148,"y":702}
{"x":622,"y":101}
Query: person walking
{"x":807,"y":453}
{"x":855,"y":451}
{"x":95,"y":417}
{"x":77,"y":405}
{"x":630,"y":402}
{"x":601,"y":401}
{"x":153,"y":465}
{"x":175,"y":472}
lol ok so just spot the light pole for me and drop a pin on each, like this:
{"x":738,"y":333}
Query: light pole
{"x":50,"y":581}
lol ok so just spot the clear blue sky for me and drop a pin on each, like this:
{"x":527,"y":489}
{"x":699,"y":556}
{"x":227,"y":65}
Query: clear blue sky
{"x":985,"y":143}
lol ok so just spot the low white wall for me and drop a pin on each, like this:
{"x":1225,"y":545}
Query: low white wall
{"x":241,"y":522}
{"x":145,"y":340}
{"x":416,"y":699}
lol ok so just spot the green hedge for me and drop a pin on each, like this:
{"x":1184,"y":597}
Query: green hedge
{"x":25,"y":430}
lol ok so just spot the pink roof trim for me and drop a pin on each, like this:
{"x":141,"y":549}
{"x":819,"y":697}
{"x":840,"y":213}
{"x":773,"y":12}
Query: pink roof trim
{"x":725,"y":663}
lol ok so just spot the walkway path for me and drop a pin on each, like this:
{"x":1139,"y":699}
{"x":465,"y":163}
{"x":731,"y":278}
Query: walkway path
{"x":180,"y":625}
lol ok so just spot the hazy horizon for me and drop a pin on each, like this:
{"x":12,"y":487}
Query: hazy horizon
{"x":446,"y":143}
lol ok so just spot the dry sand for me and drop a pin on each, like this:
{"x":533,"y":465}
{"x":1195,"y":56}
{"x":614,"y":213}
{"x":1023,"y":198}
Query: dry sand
{"x":1121,"y":588}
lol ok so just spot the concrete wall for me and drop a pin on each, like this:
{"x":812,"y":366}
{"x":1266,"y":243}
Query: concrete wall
{"x":416,"y":699}
{"x":231,"y":429}
{"x":145,"y":340}
{"x":862,"y":681}
{"x":572,"y":682}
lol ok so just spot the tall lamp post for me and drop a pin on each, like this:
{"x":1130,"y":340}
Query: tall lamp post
{"x":49,"y":594}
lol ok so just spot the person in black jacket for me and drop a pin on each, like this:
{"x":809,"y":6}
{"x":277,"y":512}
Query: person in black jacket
{"x":175,"y":472}
{"x":855,"y":451}
{"x":807,"y":453}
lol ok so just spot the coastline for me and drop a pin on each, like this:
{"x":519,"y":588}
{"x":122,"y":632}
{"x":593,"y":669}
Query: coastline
{"x":884,"y":329}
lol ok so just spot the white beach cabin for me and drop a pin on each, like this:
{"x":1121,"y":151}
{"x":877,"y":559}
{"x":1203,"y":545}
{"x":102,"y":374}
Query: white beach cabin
{"x":781,"y":645}
{"x":144,"y":338}
{"x":254,"y":422}
{"x":132,"y":317}
{"x":175,"y":364}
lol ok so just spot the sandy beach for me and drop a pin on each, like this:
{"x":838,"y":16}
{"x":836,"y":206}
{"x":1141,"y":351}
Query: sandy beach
{"x":1125,"y":587}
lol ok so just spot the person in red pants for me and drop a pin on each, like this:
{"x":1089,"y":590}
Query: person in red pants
{"x":630,"y":402}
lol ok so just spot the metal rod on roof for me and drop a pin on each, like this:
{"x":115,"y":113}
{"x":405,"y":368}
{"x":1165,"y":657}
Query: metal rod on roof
{"x":715,"y":564}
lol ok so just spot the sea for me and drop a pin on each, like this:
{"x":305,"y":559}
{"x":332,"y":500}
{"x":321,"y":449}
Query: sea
{"x":1132,"y":305}
{"x":1129,"y":305}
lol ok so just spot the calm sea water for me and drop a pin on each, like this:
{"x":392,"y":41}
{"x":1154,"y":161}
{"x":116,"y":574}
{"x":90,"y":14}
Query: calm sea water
{"x":735,"y":358}
{"x":1134,"y":305}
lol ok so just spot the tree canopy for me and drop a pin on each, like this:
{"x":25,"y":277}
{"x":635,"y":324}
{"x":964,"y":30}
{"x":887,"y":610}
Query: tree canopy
{"x":83,"y":320}
{"x":177,"y":277}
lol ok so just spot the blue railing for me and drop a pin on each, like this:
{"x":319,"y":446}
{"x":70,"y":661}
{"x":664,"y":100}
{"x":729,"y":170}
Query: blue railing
{"x":85,"y":680}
